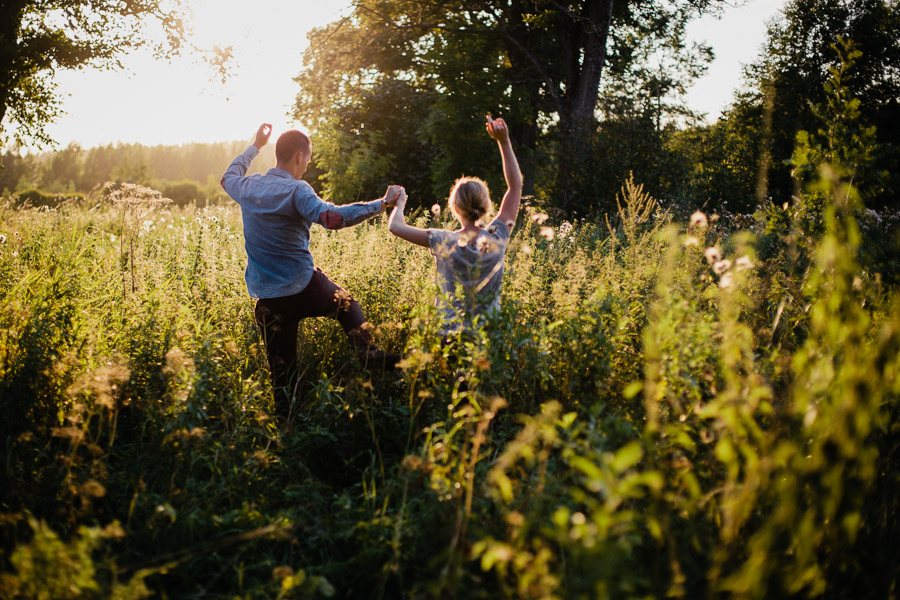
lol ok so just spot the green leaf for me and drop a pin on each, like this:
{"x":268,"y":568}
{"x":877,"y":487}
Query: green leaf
{"x":627,"y":456}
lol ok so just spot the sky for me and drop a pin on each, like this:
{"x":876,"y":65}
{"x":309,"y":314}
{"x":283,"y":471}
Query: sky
{"x":180,"y":101}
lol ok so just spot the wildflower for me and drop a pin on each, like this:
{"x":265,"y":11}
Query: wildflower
{"x":743,"y":263}
{"x":714,"y":218}
{"x":177,"y":361}
{"x":93,"y":488}
{"x":2,"y":239}
{"x":539,"y":218}
{"x":784,"y":206}
{"x":436,"y":209}
{"x":515,"y":518}
{"x":131,"y":195}
{"x":526,"y":249}
{"x":725,"y":281}
{"x":712,"y":254}
{"x":547,"y":233}
{"x":720,"y":266}
{"x":690,"y":241}
{"x":565,"y":228}
{"x":698,"y":219}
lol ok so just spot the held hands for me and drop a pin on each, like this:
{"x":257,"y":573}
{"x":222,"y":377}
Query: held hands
{"x":497,"y":129}
{"x":392,"y":195}
{"x":262,"y":135}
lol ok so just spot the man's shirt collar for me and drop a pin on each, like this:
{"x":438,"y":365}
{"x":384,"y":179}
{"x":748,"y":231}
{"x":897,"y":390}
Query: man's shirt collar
{"x":280,"y":173}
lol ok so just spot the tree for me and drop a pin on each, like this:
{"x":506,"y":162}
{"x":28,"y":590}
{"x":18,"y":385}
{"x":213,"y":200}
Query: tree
{"x":40,"y":37}
{"x":789,"y":79}
{"x":538,"y":62}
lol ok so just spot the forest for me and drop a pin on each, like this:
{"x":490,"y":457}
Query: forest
{"x":691,"y":390}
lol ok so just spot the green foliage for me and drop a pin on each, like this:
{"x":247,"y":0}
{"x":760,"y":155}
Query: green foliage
{"x":786,"y":93}
{"x":48,"y":568}
{"x":660,"y":409}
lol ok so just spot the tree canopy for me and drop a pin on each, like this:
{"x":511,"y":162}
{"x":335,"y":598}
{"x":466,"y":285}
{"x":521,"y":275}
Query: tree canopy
{"x":747,"y":155}
{"x":539,"y":64}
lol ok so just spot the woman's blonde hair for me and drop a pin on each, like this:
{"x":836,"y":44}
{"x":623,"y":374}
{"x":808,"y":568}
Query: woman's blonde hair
{"x":470,"y":198}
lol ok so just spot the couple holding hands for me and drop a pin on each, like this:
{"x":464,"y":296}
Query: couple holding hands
{"x":277,"y":209}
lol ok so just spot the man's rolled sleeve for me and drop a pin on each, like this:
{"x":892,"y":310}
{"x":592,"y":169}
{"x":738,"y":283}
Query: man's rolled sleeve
{"x":332,"y":216}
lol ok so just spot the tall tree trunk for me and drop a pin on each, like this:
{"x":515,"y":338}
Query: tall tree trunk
{"x":587,"y":38}
{"x":525,"y":133}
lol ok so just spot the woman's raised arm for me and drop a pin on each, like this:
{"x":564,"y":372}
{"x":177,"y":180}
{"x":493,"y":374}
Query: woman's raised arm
{"x":509,"y":207}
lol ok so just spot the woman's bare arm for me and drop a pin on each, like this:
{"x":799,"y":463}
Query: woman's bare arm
{"x":509,"y":207}
{"x":397,"y":224}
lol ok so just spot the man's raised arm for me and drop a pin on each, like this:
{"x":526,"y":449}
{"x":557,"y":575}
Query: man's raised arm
{"x":239,"y":166}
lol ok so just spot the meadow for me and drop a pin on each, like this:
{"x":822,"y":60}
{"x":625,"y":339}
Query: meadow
{"x":671,"y":405}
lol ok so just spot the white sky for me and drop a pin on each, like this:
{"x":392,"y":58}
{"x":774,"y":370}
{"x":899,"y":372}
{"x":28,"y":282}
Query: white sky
{"x":173,"y":103}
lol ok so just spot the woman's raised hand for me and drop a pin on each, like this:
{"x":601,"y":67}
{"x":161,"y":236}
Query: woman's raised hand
{"x":497,"y":129}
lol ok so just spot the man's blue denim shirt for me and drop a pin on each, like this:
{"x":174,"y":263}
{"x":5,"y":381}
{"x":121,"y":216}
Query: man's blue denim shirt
{"x":277,"y":211}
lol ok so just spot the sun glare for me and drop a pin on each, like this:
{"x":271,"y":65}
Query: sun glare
{"x":184,"y":100}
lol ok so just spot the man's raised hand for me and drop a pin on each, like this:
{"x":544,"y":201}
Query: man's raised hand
{"x":497,"y":129}
{"x":262,"y":135}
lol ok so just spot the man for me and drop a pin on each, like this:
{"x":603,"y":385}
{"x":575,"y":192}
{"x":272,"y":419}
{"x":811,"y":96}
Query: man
{"x":277,"y":210}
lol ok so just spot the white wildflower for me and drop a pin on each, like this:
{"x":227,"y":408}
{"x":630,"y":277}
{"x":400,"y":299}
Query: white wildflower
{"x":726,"y":280}
{"x":547,"y":233}
{"x":743,"y":263}
{"x":698,"y":219}
{"x":712,"y":254}
{"x":720,"y":266}
{"x":539,"y":218}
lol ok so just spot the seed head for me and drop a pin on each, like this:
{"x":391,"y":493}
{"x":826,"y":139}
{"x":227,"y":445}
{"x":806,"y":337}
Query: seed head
{"x":720,"y":266}
{"x":698,"y":219}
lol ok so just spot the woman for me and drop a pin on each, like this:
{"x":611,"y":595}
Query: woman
{"x":469,"y":260}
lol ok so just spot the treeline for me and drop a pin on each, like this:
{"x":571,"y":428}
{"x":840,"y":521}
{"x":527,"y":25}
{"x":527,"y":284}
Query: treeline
{"x":186,"y":173}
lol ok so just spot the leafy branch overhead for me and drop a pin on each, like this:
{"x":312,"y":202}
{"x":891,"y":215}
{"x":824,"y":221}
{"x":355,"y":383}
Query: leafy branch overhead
{"x":39,"y":38}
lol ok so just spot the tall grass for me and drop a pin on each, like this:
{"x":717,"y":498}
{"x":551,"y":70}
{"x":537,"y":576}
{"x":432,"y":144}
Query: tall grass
{"x":640,"y":422}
